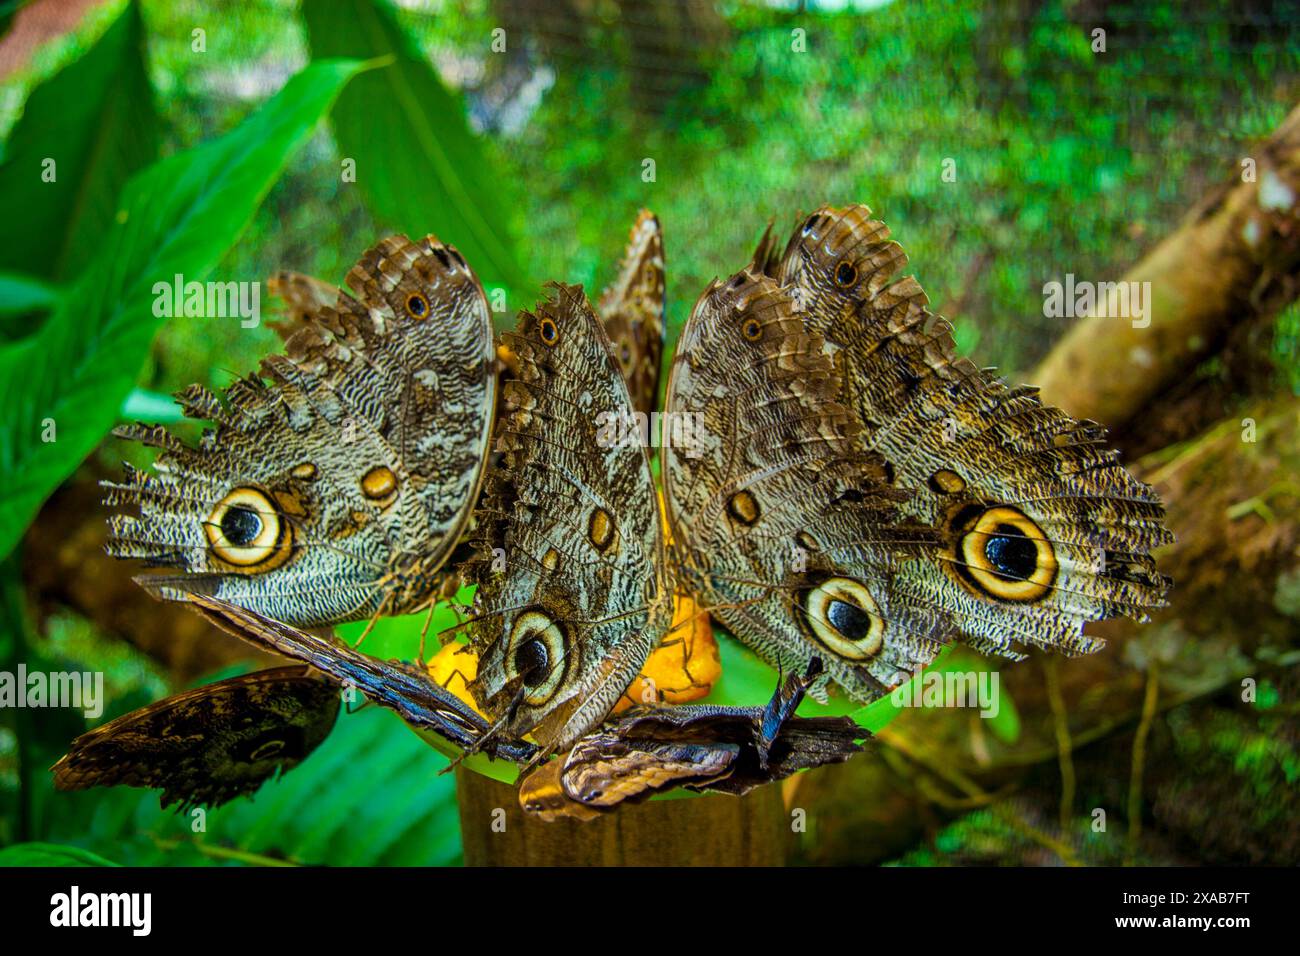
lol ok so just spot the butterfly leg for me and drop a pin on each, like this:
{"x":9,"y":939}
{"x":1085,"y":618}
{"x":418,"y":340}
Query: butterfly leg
{"x":428,"y":619}
{"x":374,"y":618}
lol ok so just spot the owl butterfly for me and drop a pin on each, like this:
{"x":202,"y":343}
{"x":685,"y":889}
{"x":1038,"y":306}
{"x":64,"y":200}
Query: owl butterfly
{"x":1042,"y":527}
{"x":211,"y":744}
{"x":584,"y":596}
{"x":866,"y":496}
{"x":403,"y":688}
{"x":632,"y":309}
{"x":336,"y":484}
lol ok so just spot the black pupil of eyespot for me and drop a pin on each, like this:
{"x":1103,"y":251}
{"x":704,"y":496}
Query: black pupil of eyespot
{"x":530,"y":661}
{"x":1012,"y":555}
{"x":751,"y":329}
{"x":845,"y":274}
{"x":241,"y":525}
{"x":415,"y":304}
{"x":849,"y":619}
{"x":548,"y":331}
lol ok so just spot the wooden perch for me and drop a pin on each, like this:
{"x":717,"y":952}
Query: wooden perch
{"x":1234,"y":260}
{"x":710,"y":830}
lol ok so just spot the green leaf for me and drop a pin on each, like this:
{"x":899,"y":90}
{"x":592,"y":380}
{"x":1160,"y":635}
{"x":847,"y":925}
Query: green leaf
{"x":49,"y":854}
{"x":418,"y":163}
{"x":95,"y":120}
{"x":147,"y":406}
{"x":68,"y":380}
{"x":24,"y":293}
{"x":24,"y":303}
{"x":1005,"y":724}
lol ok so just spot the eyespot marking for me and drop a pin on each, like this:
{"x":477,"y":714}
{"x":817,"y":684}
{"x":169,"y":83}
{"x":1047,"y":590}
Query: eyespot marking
{"x":743,"y":506}
{"x":845,"y":619}
{"x":378,"y":483}
{"x":417,"y":306}
{"x":947,"y":482}
{"x":548,"y":331}
{"x":247,"y":530}
{"x":600,"y":529}
{"x":537,"y":656}
{"x":264,"y":751}
{"x":1003,"y":554}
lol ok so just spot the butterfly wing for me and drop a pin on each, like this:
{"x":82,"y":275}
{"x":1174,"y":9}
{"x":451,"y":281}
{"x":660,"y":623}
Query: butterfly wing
{"x":701,"y":747}
{"x":786,"y":531}
{"x":335,"y":484}
{"x":571,"y":588}
{"x":304,"y":297}
{"x":632,"y":309}
{"x":403,"y":688}
{"x":208,"y":745}
{"x":1043,"y":528}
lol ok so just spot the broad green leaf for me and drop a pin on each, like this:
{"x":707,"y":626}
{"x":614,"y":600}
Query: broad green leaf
{"x":418,"y":163}
{"x":49,"y":854}
{"x":90,"y":126}
{"x":61,"y":388}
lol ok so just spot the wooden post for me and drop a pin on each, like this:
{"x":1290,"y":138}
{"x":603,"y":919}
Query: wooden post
{"x":709,"y":830}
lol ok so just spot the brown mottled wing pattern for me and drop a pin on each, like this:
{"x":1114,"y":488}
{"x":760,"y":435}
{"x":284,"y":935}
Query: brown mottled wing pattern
{"x":782,"y":528}
{"x":632,"y":309}
{"x":338,"y":480}
{"x":700,"y":747}
{"x":303,"y":296}
{"x":572,"y":594}
{"x":208,"y":745}
{"x":1043,"y":528}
